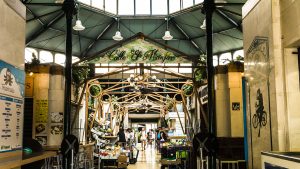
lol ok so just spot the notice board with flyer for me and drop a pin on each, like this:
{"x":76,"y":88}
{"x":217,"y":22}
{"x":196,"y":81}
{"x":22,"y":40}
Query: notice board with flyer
{"x":11,"y":107}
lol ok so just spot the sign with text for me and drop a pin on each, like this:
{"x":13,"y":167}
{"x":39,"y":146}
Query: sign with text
{"x":11,"y":107}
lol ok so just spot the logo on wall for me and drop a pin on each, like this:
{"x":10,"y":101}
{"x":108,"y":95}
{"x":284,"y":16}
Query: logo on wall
{"x":8,"y":79}
{"x":259,"y":119}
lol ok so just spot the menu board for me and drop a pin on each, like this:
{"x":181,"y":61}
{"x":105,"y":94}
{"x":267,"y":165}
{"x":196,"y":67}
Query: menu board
{"x":11,"y":107}
{"x":41,"y":119}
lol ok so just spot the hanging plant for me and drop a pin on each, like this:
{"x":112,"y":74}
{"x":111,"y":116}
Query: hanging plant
{"x":95,"y":90}
{"x":187,"y":89}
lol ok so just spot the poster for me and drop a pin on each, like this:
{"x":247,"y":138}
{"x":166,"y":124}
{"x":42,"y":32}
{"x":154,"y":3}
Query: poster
{"x":41,"y":111}
{"x":11,"y":105}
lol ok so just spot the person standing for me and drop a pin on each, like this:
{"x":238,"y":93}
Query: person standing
{"x":122,"y":138}
{"x":143,"y":138}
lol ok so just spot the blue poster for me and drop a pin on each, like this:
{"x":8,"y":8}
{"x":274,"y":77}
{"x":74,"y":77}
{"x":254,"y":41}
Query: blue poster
{"x":12,"y":80}
{"x":11,"y":107}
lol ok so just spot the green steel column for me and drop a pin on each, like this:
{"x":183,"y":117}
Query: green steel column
{"x":209,"y":8}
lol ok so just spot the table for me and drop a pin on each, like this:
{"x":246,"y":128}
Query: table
{"x":18,"y":163}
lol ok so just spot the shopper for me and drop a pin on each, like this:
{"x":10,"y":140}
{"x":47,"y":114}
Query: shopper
{"x":122,"y":139}
{"x":150,"y":137}
{"x":143,"y":138}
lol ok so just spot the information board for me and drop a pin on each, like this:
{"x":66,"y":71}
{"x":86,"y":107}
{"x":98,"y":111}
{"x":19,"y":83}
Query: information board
{"x":11,"y":107}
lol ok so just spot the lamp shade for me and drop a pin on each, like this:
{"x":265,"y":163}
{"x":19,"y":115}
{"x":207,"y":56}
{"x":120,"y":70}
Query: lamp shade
{"x":78,"y":26}
{"x":167,"y":36}
{"x":118,"y":36}
{"x":203,"y":26}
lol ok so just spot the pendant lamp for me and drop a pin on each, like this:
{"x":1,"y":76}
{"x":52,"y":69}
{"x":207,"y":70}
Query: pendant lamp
{"x":167,"y":35}
{"x":118,"y":36}
{"x":78,"y":25}
{"x":203,"y":26}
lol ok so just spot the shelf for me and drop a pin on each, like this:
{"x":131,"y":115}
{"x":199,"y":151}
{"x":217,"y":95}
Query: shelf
{"x":177,"y":137}
{"x":109,"y":137}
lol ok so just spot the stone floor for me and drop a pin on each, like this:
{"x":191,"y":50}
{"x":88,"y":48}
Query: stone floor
{"x":148,"y":159}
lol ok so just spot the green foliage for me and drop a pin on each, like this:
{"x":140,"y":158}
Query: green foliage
{"x":201,"y":73}
{"x":95,"y":90}
{"x":188,"y":89}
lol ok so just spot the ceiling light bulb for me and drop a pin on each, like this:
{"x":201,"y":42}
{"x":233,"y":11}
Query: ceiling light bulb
{"x":78,"y":26}
{"x":118,"y":36}
{"x":31,"y":73}
{"x":203,"y":26}
{"x":167,"y":36}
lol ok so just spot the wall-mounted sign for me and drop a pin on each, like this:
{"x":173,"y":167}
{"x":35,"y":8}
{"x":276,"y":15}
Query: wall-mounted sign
{"x":11,"y":107}
{"x":139,"y":51}
{"x":236,"y":106}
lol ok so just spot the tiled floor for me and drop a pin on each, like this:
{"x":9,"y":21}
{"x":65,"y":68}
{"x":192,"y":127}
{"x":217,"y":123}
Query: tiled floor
{"x":148,"y":159}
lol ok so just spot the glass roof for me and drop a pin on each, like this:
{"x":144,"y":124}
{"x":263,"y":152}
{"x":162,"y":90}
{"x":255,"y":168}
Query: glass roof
{"x":141,"y":7}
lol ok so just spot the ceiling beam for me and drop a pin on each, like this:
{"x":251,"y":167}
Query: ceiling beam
{"x":44,"y":28}
{"x":229,"y":20}
{"x":156,"y":28}
{"x":88,"y":49}
{"x":220,"y":31}
{"x":35,"y":16}
{"x":62,"y":31}
{"x":187,"y":36}
{"x":229,"y":11}
{"x":39,"y":17}
{"x":43,"y":4}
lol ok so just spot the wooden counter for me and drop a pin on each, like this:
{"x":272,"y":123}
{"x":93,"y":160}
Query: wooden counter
{"x":18,"y":163}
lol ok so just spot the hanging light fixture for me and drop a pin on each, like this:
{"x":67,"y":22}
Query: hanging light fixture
{"x":203,"y":26}
{"x":78,"y":25}
{"x":118,"y":36}
{"x":167,"y":35}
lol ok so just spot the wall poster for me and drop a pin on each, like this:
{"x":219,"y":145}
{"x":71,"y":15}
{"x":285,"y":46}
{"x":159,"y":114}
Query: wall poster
{"x":11,"y":105}
{"x":257,"y":71}
{"x":41,"y":120}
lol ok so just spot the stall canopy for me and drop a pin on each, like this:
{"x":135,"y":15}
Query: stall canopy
{"x":46,"y":27}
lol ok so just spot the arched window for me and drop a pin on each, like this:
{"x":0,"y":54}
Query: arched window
{"x":60,"y":59}
{"x":46,"y":57}
{"x":215,"y":60}
{"x":29,"y":53}
{"x":225,"y":58}
{"x":237,"y":54}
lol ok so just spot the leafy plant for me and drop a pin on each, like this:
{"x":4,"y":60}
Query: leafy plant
{"x":188,"y":89}
{"x":78,"y":76}
{"x":201,"y":72}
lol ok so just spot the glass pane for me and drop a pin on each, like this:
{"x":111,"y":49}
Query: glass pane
{"x":159,"y":7}
{"x":174,"y":67}
{"x":97,"y":4}
{"x":174,"y":5}
{"x":29,"y":53}
{"x":46,"y":57}
{"x":239,"y":53}
{"x":111,"y":6}
{"x":198,"y":1}
{"x":142,"y":7}
{"x":102,"y":70}
{"x":188,"y":3}
{"x":185,"y":70}
{"x":60,"y":59}
{"x":126,"y":7}
{"x":75,"y":59}
{"x":215,"y":60}
{"x":225,"y":59}
{"x":88,"y":2}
